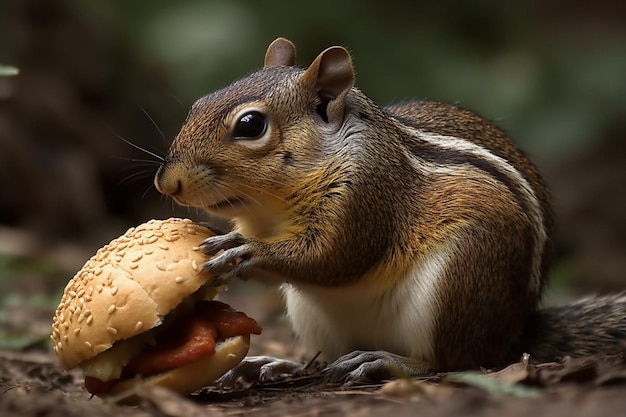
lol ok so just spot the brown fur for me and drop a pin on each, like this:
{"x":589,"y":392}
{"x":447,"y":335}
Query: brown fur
{"x":340,"y":193}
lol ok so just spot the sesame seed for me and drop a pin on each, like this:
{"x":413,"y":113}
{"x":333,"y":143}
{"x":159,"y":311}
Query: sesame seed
{"x":114,"y":290}
{"x":194,"y":265}
{"x":89,"y":346}
{"x":112,"y":330}
{"x":179,"y":280}
{"x":111,"y":309}
{"x":59,"y":345}
{"x":139,"y":325}
{"x":137,"y":257}
{"x":134,"y":266}
{"x":196,"y":248}
{"x":148,"y":251}
{"x":81,"y":318}
{"x":163,"y":246}
{"x":99,"y":287}
{"x":152,"y":239}
{"x":77,"y":331}
{"x":171,"y":238}
{"x":89,"y":319}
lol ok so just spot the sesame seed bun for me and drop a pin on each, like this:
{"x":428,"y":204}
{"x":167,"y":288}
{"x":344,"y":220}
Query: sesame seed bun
{"x":127,"y":287}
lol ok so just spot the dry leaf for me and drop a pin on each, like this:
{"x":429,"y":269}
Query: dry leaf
{"x":514,"y":373}
{"x":167,"y":402}
{"x":407,"y":389}
{"x":492,"y":385}
{"x":570,"y":370}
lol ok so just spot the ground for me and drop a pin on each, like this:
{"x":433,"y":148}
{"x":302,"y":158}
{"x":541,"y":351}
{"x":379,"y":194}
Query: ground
{"x":33,"y":384}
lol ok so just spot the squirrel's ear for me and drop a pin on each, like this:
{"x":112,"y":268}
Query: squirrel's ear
{"x":280,"y":52}
{"x":331,"y":76}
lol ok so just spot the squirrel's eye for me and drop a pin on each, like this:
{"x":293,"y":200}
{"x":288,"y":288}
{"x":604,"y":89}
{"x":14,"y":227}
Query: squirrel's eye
{"x":251,"y":125}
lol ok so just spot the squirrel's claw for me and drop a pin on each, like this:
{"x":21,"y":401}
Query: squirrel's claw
{"x":371,"y":366}
{"x":214,"y":244}
{"x":260,"y":369}
{"x":212,"y":228}
{"x":230,"y":263}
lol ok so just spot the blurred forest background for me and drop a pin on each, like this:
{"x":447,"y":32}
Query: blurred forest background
{"x":552,"y":73}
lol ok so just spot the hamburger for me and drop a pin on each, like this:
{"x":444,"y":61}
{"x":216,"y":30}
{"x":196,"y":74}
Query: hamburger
{"x":142,"y":310}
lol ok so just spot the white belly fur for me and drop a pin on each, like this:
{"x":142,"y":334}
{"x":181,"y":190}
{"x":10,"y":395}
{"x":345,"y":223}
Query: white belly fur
{"x":339,"y":320}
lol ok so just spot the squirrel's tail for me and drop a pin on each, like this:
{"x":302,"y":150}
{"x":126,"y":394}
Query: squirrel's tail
{"x":590,"y":326}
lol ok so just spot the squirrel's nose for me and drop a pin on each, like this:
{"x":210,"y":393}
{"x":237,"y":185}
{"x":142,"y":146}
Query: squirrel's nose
{"x":169,"y":185}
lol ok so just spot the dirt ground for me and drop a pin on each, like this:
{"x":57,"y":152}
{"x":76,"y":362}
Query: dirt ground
{"x":33,"y":384}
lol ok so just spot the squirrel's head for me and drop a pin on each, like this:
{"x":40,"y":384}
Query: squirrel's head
{"x":242,"y":149}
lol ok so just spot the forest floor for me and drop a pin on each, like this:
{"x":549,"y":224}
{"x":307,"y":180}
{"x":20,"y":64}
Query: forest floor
{"x":33,"y":384}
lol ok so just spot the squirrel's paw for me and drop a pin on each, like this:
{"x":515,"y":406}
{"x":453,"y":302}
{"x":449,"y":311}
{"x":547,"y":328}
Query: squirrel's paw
{"x":231,"y":262}
{"x":214,"y":244}
{"x":371,"y":366}
{"x":254,"y":369}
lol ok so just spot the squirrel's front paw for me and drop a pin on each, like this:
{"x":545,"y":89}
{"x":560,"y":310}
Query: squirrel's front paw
{"x":230,"y":263}
{"x":214,"y":244}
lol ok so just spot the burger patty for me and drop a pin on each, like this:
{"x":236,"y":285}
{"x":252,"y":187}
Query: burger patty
{"x":192,"y":337}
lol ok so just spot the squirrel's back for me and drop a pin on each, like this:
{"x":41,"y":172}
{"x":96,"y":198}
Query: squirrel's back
{"x":590,"y":326}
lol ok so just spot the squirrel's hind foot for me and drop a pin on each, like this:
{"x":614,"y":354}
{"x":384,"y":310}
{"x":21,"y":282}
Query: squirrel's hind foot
{"x":254,"y":369}
{"x":362,"y":366}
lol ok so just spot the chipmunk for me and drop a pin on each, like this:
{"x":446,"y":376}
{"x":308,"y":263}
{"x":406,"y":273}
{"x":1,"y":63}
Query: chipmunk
{"x":407,"y":239}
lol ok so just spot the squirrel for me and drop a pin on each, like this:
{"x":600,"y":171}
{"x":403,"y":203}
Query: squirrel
{"x":408,"y":239}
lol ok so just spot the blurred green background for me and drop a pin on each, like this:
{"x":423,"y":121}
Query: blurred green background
{"x":552,"y":73}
